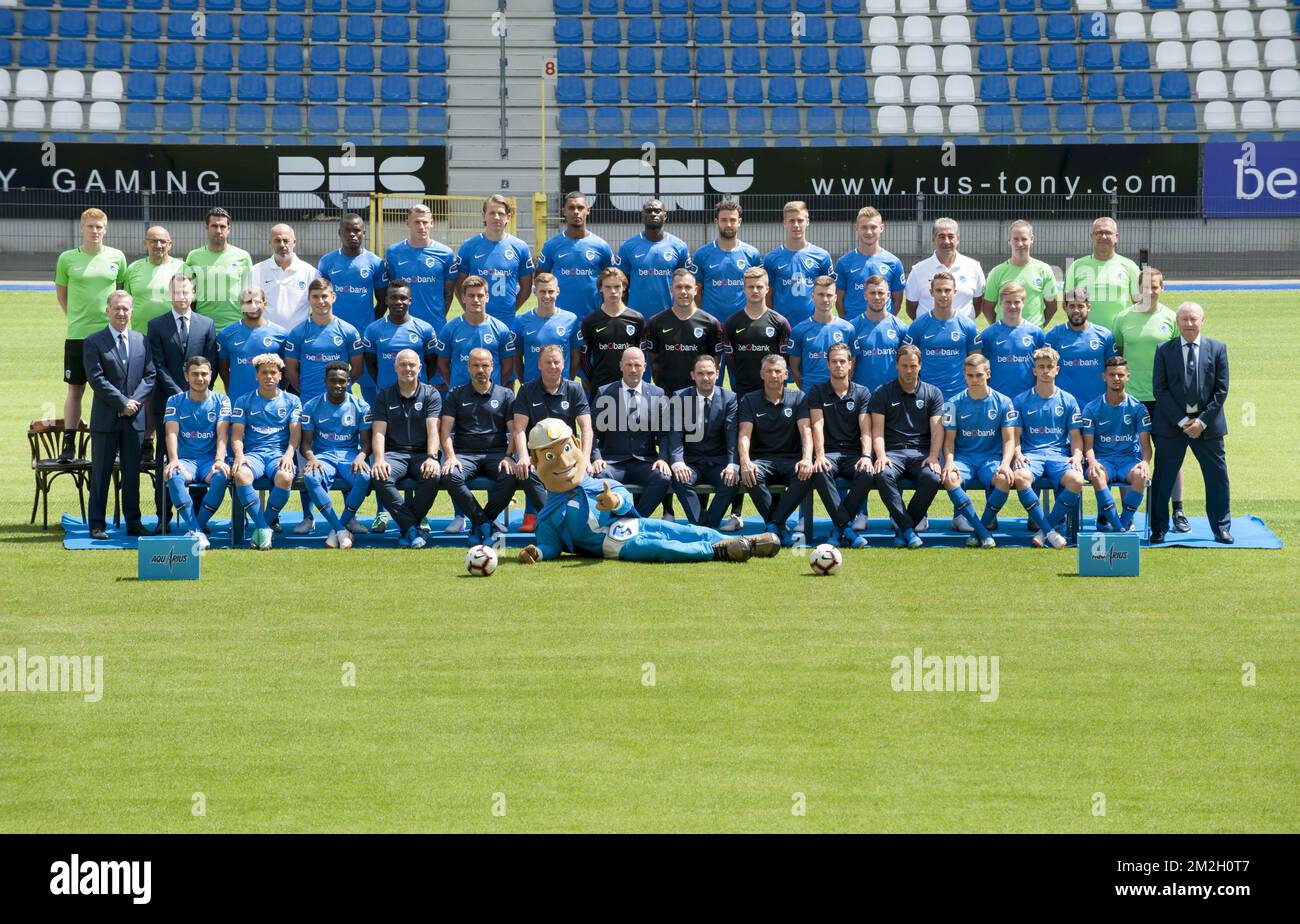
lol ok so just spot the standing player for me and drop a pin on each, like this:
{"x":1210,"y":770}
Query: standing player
{"x":84,"y":277}
{"x":1049,"y":442}
{"x":702,"y":449}
{"x":1117,"y":445}
{"x":607,"y":333}
{"x":242,"y":342}
{"x":335,"y":442}
{"x":550,"y":396}
{"x":360,"y":281}
{"x":1034,"y":276}
{"x":720,"y":265}
{"x":841,"y":432}
{"x":866,"y":260}
{"x":906,"y":440}
{"x":1111,"y":280}
{"x":265,"y":430}
{"x":220,"y":270}
{"x":944,"y":338}
{"x":1009,"y":344}
{"x":877,"y":334}
{"x":542,"y":326}
{"x":149,"y":278}
{"x":284,"y":277}
{"x":754,"y":333}
{"x":811,"y":340}
{"x":430,"y":267}
{"x":967,"y":275}
{"x":792,"y":267}
{"x":405,"y":444}
{"x":649,"y":259}
{"x":676,"y":336}
{"x":576,"y":258}
{"x":195,"y":424}
{"x":774,"y":445}
{"x":1083,"y":347}
{"x":501,"y":258}
{"x":473,"y":330}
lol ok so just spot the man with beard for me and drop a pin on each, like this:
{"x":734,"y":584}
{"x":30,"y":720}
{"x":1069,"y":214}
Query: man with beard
{"x":577,"y":258}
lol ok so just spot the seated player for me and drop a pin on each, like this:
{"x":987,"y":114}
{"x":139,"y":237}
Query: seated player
{"x":631,"y":423}
{"x":906,"y":440}
{"x":1010,"y":343}
{"x":405,"y":442}
{"x":264,"y":436}
{"x":703,"y":446}
{"x":841,"y":432}
{"x":550,"y":395}
{"x":979,"y":443}
{"x":475,"y":428}
{"x":195,"y":425}
{"x":335,"y":441}
{"x":587,"y":516}
{"x":1117,"y":445}
{"x":774,"y":445}
{"x":1048,"y":442}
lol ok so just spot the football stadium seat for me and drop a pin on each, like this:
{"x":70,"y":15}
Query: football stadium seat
{"x":105,"y":85}
{"x":1288,"y":116}
{"x":33,"y":53}
{"x":360,"y":30}
{"x":958,"y":88}
{"x":708,"y":30}
{"x":743,"y":31}
{"x":1206,"y":54}
{"x":815,"y":59}
{"x":108,"y":25}
{"x":1144,"y":117}
{"x":323,"y":121}
{"x":880,"y":7}
{"x":992,"y":59}
{"x":1280,"y":52}
{"x":66,"y":85}
{"x":1175,"y":85}
{"x":252,"y":58}
{"x":855,"y":120}
{"x":786,"y":121}
{"x":708,"y":60}
{"x":1239,"y":24}
{"x":1035,"y":119}
{"x":358,"y":89}
{"x":1062,"y":57}
{"x":289,"y":88}
{"x":644,"y":120}
{"x":1134,"y":57}
{"x":1243,"y":53}
{"x":751,"y":122}
{"x":606,"y":8}
{"x":640,"y":31}
{"x":989,"y":29}
{"x":927,"y":120}
{"x":851,"y":60}
{"x":956,"y":59}
{"x":606,"y":61}
{"x":1023,"y":28}
{"x":394,"y":120}
{"x":715,"y":120}
{"x":1059,"y":27}
{"x":289,"y":28}
{"x":817,"y":90}
{"x":253,"y":27}
{"x":394,"y":59}
{"x":432,"y":59}
{"x":217,"y":58}
{"x":646,"y":90}
{"x":673,"y":30}
{"x":993,"y":89}
{"x":782,"y":90}
{"x":139,"y":85}
{"x":322,"y":88}
{"x":109,"y":56}
{"x":1211,"y":85}
{"x":251,"y":119}
{"x":72,"y":53}
{"x":1130,"y":27}
{"x":1202,"y":24}
{"x":1166,"y":25}
{"x":568,"y":32}
{"x":821,"y":120}
{"x":920,"y":60}
{"x":1171,"y":56}
{"x":1284,"y":83}
{"x":105,"y":117}
{"x":963,"y":120}
{"x":431,"y":88}
{"x":747,"y":90}
{"x":139,"y":117}
{"x":848,"y":30}
{"x":1026,"y":58}
{"x":882,"y":30}
{"x":891,"y":120}
{"x":177,"y":117}
{"x":397,"y":89}
{"x":918,"y":31}
{"x":640,"y":60}
{"x":1245,"y":85}
{"x":145,"y":26}
{"x":1030,"y":88}
{"x":145,"y":56}
{"x":1219,"y":116}
{"x":953,"y":30}
{"x":573,"y":121}
{"x":180,"y":57}
{"x":251,"y":88}
{"x":1180,"y":117}
{"x":66,"y":116}
{"x":1094,"y":27}
{"x":1102,"y":87}
{"x":359,"y":119}
{"x":570,"y":90}
{"x":607,"y":90}
{"x":999,"y":119}
{"x":1256,"y":115}
{"x":567,"y":60}
{"x":394,"y":30}
{"x":1138,"y":86}
{"x":884,"y":60}
{"x":739,"y":7}
{"x":215,"y":88}
{"x":36,"y":24}
{"x":1274,"y":24}
{"x":853,"y":90}
{"x":777,"y":7}
{"x":889,"y":89}
{"x":780,"y":59}
{"x":1071,"y":118}
{"x":1098,"y":57}
{"x":324,"y":58}
{"x":359,"y":59}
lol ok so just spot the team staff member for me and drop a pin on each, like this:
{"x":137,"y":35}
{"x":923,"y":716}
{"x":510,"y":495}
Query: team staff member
{"x":649,"y":259}
{"x":841,"y":432}
{"x":240,"y":343}
{"x":811,"y":340}
{"x":855,"y":268}
{"x":550,"y":396}
{"x":774,"y":446}
{"x":877,"y":335}
{"x":265,"y":431}
{"x":967,"y":275}
{"x":577,"y":258}
{"x":632,"y":434}
{"x":84,"y":277}
{"x":149,"y":278}
{"x":220,"y":270}
{"x":676,"y":336}
{"x":720,"y":265}
{"x":196,"y":426}
{"x":173,"y":339}
{"x":544,"y":325}
{"x":753,"y":333}
{"x":121,"y":375}
{"x":906,"y":439}
{"x":606,"y":334}
{"x":335,"y":442}
{"x":1083,"y":347}
{"x":284,"y":277}
{"x":1034,"y":276}
{"x":360,"y":281}
{"x":501,"y":258}
{"x":702,"y":449}
{"x":792,"y":267}
{"x":1111,"y":280}
{"x":405,"y":444}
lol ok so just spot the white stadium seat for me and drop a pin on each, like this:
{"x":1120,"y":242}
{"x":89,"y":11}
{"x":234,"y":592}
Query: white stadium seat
{"x":959,"y":88}
{"x":1273,"y":23}
{"x":4,"y":114}
{"x":956,"y":59}
{"x":6,"y":84}
{"x":888,"y":90}
{"x":1171,"y":56}
{"x":925,"y":89}
{"x":1198,"y":4}
{"x":1130,"y":27}
{"x":1243,"y":53}
{"x":963,"y":120}
{"x":1211,"y":85}
{"x":32,"y":84}
{"x":882,"y":30}
{"x":1219,"y":116}
{"x":1285,"y":83}
{"x":65,"y":116}
{"x":913,"y":6}
{"x":69,"y":85}
{"x":1270,"y":2}
{"x":28,"y":114}
{"x":1238,"y":24}
{"x":105,"y":117}
{"x":1248,"y":85}
{"x":880,"y":7}
{"x":920,"y":59}
{"x":1206,"y":54}
{"x":950,"y":6}
{"x":884,"y":60}
{"x":1233,"y":4}
{"x":1279,"y":53}
{"x":927,"y":120}
{"x":1256,"y":115}
{"x":954,"y":30}
{"x":1118,"y":5}
{"x":891,"y":120}
{"x":1202,"y":24}
{"x":1091,"y":5}
{"x":106,"y":85}
{"x":917,"y":30}
{"x":1288,"y":114}
{"x":1166,"y":25}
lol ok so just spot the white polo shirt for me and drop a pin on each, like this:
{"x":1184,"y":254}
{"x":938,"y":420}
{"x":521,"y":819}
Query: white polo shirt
{"x":966,"y":272}
{"x":286,"y":290}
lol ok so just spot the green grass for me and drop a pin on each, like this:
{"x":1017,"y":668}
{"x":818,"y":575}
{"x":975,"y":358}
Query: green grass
{"x":768,"y":681}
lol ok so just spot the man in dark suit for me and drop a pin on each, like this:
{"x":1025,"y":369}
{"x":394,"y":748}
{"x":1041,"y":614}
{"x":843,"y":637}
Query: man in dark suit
{"x":630,"y":418}
{"x":173,"y":338}
{"x":121,"y":375}
{"x":1190,"y":381}
{"x":702,"y":444}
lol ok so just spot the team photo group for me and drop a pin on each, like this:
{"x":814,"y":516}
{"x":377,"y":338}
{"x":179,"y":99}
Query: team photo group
{"x":646,"y":393}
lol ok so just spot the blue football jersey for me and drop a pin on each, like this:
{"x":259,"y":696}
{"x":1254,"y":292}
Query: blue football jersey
{"x":1010,"y":352}
{"x":811,"y":341}
{"x":238,"y":344}
{"x":315,"y":347}
{"x":427,"y":269}
{"x":649,"y":266}
{"x":459,"y":336}
{"x":1115,"y":427}
{"x":1083,"y":357}
{"x":355,"y":280}
{"x":576,"y":263}
{"x":196,"y":437}
{"x":721,"y":275}
{"x":336,"y":428}
{"x":1045,"y":423}
{"x":504,"y":264}
{"x":532,"y":332}
{"x":266,"y":420}
{"x":384,"y":340}
{"x":944,"y":346}
{"x":978,"y":422}
{"x":854,"y":269}
{"x":875,"y":344}
{"x":792,"y":274}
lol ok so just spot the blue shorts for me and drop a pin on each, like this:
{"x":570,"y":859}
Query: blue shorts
{"x":977,"y":471}
{"x":338,"y":470}
{"x":1117,"y":470}
{"x":196,"y":470}
{"x":263,"y":463}
{"x":1053,"y":465}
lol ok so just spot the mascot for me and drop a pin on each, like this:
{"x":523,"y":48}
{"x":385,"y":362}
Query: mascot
{"x":590,"y":517}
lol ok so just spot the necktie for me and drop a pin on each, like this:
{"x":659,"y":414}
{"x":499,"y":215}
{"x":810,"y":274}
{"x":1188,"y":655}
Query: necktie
{"x":121,"y":349}
{"x":183,"y":325}
{"x":1193,"y":393}
{"x":631,"y":404}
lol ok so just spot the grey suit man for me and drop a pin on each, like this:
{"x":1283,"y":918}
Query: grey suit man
{"x":170,"y":350}
{"x":121,"y":376}
{"x":1190,"y":382}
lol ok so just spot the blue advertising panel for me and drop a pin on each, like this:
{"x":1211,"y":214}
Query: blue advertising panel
{"x":1108,"y":554}
{"x":168,"y":558}
{"x":1252,"y":179}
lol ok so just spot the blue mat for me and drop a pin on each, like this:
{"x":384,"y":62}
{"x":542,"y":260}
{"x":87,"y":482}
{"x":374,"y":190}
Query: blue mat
{"x":1248,"y":531}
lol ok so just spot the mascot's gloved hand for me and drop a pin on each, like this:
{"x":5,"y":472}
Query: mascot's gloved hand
{"x":607,"y":500}
{"x":530,"y":555}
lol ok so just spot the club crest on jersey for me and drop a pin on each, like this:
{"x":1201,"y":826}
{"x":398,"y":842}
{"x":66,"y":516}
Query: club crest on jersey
{"x":268,"y":340}
{"x":1060,"y":411}
{"x":1038,"y":280}
{"x":993,"y":413}
{"x":809,"y":262}
{"x":787,"y":412}
{"x":1128,"y":420}
{"x":770,"y":332}
{"x":419,"y":405}
{"x":564,"y":405}
{"x":282,"y":412}
{"x":741,"y":265}
{"x":1026,"y":340}
{"x":428,"y":261}
{"x":956,"y":335}
{"x":891,"y":334}
{"x":631,"y":329}
{"x":365,"y":273}
{"x":849,"y":405}
{"x":487,"y":338}
{"x":413,"y":338}
{"x":347,"y":420}
{"x":1094,"y":344}
{"x":837,"y":337}
{"x":494,"y":403}
{"x":212,"y":416}
{"x":699,"y":332}
{"x":301,"y":284}
{"x":920,"y":402}
{"x":590,"y":255}
{"x":112,"y":267}
{"x":510,"y":254}
{"x":559,"y":331}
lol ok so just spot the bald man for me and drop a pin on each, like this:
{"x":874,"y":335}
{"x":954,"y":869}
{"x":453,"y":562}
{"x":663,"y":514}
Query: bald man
{"x":285,"y":278}
{"x":149,"y":278}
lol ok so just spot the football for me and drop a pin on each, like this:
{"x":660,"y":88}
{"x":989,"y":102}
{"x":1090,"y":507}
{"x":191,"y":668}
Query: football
{"x":825,"y":559}
{"x":481,"y":560}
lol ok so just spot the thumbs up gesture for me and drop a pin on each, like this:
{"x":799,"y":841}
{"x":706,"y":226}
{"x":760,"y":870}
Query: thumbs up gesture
{"x":607,"y":499}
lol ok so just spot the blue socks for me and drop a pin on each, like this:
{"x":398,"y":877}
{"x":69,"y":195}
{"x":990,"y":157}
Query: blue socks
{"x":248,"y":497}
{"x":1032,"y":507}
{"x":320,"y":497}
{"x":1106,"y":505}
{"x":961,"y":503}
{"x":1132,"y":501}
{"x":996,"y":499}
{"x":1066,"y":503}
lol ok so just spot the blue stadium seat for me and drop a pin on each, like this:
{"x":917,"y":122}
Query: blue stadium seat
{"x":1035,"y":118}
{"x":676,"y":89}
{"x":747,"y":90}
{"x":1138,"y":86}
{"x":394,"y":120}
{"x":1060,"y":27}
{"x":145,"y":56}
{"x":607,"y":90}
{"x":606,"y":32}
{"x":674,"y":7}
{"x":220,"y":27}
{"x":992,"y":59}
{"x":1144,"y":117}
{"x":396,"y":59}
{"x":751,"y":122}
{"x":255,"y":6}
{"x":214,"y":118}
{"x":642,"y":32}
{"x":848,"y":30}
{"x":323,"y":120}
{"x":999,"y":119}
{"x":780,"y":60}
{"x":995,"y":89}
{"x":1026,"y":58}
{"x":188,"y":6}
{"x":712,"y":90}
{"x":359,"y":119}
{"x":1074,"y":139}
{"x":141,"y":85}
{"x":989,"y":29}
{"x":644,"y":120}
{"x":36,"y":24}
{"x":567,"y":60}
{"x":395,"y":29}
{"x":570,"y":90}
{"x":646,"y":90}
{"x":679,"y":120}
{"x":325,"y":29}
{"x":1067,"y":87}
{"x":7,"y":22}
{"x":742,"y":7}
{"x":573,"y":121}
{"x":361,"y":6}
{"x":821,"y":120}
{"x":1175,"y":85}
{"x":1108,"y":117}
{"x":1163,"y":4}
{"x":251,"y":88}
{"x":139,"y":117}
{"x":855,"y":120}
{"x":323,"y":58}
{"x":109,"y":56}
{"x":252,"y":58}
{"x":1133,"y":56}
{"x":1223,"y":138}
{"x":1039,"y":139}
{"x":708,"y":60}
{"x":71,"y":53}
{"x":1102,"y":87}
{"x":1148,"y":138}
{"x":180,"y":57}
{"x":609,"y":120}
{"x":322,"y":88}
{"x":782,"y":90}
{"x":743,"y":31}
{"x":776,"y":7}
{"x":640,"y":59}
{"x":1062,"y":57}
{"x":431,"y":6}
{"x":850,"y":60}
{"x":605,"y":60}
{"x":289,"y":28}
{"x":1098,"y":57}
{"x":817,"y":90}
{"x":814,"y":59}
{"x":983,"y":6}
{"x":1071,"y":118}
{"x":215,"y":88}
{"x":1180,"y":117}
{"x":846,"y":7}
{"x":745,"y":60}
{"x":853,"y":90}
{"x":145,"y":26}
{"x":358,"y":89}
{"x":776,"y":31}
{"x":1030,"y":88}
{"x":815,"y":31}
{"x":1093,"y":27}
{"x":253,"y":27}
{"x":177,"y":117}
{"x":715,"y":120}
{"x":73,"y":24}
{"x":33,"y":53}
{"x":568,"y":32}
{"x":707,"y":7}
{"x":396,"y":88}
{"x":786,"y":121}
{"x":932,"y":141}
{"x":1020,"y":6}
{"x":673,"y":30}
{"x":1063,"y":6}
{"x":610,"y":8}
{"x":224,"y":6}
{"x":218,"y":58}
{"x":289,"y":88}
{"x":1250,"y":136}
{"x":1023,"y":28}
{"x":360,"y":29}
{"x":432,"y":59}
{"x":359,"y":59}
{"x":431,"y":88}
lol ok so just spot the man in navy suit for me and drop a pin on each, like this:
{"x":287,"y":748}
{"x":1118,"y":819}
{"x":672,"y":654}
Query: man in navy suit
{"x":173,"y":338}
{"x":1190,"y":381}
{"x":630,"y":418}
{"x":702,"y":444}
{"x":121,"y":375}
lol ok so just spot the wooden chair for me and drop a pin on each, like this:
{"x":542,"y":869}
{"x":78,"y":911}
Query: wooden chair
{"x":46,"y":440}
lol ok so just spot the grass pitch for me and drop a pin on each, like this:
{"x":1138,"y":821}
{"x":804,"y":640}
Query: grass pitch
{"x":616,"y":697}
